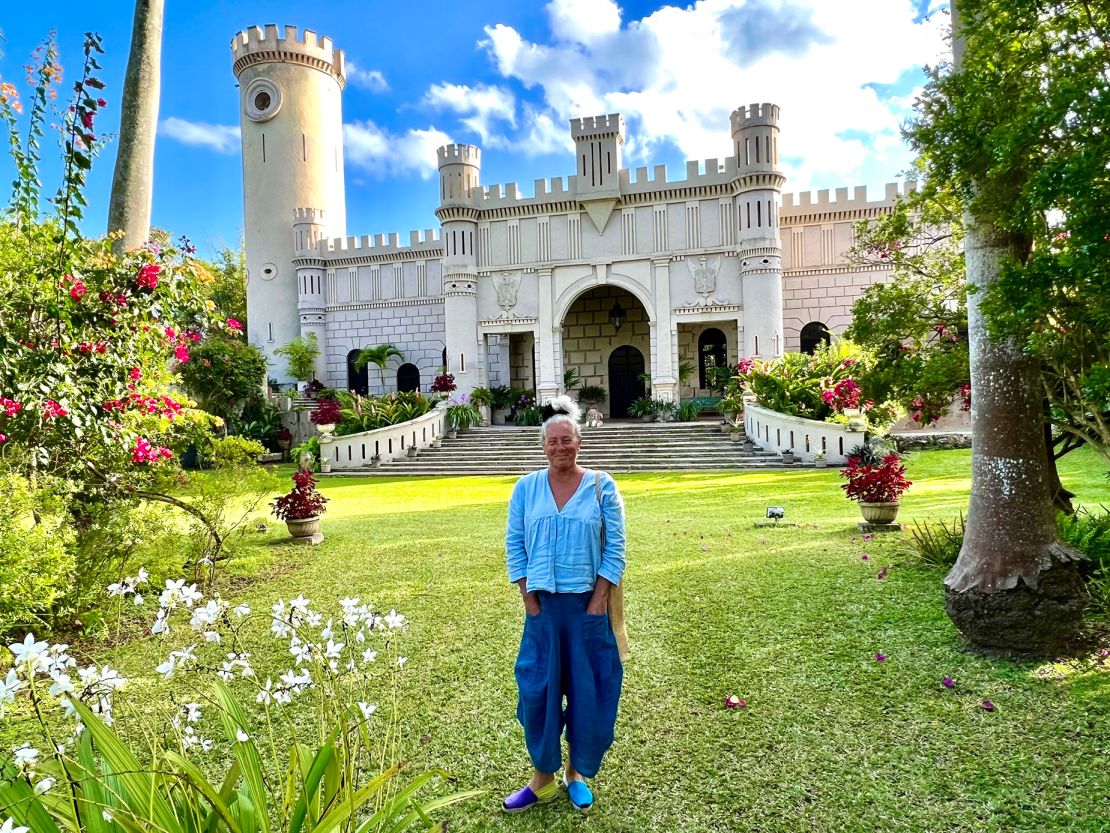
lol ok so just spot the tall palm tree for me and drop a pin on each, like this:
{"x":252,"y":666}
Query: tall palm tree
{"x":133,"y":180}
{"x":380,"y":356}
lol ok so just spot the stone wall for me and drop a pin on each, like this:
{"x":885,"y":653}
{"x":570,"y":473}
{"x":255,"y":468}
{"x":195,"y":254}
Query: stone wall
{"x":825,"y":296}
{"x":589,"y":338}
{"x":416,"y":329}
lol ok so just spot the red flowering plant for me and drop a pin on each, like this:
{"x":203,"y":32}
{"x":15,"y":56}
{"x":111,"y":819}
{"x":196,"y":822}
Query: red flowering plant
{"x":303,"y":500}
{"x":875,"y":474}
{"x":444,"y":383}
{"x":326,"y":413}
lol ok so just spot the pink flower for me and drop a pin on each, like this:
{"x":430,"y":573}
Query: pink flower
{"x":987,"y":705}
{"x":11,"y":407}
{"x":880,"y":657}
{"x":3,"y":439}
{"x":78,"y":290}
{"x":870,"y":536}
{"x":865,"y":557}
{"x":52,"y":409}
{"x":171,"y":333}
{"x":182,"y":353}
{"x":882,"y":573}
{"x":136,"y":374}
{"x":734,"y":702}
{"x":100,"y":102}
{"x":145,"y":452}
{"x":148,"y":276}
{"x":948,"y":682}
{"x":232,"y":324}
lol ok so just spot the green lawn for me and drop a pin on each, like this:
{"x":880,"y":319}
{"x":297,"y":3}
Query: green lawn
{"x":789,"y":619}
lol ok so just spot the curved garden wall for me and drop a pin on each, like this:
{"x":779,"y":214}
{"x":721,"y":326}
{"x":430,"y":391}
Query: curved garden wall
{"x":783,"y":432}
{"x":354,"y":451}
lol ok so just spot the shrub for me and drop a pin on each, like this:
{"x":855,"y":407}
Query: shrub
{"x":36,"y":562}
{"x":482,"y":396}
{"x":232,"y":452}
{"x":300,"y":355}
{"x":937,"y":544}
{"x":302,"y":501}
{"x":444,"y":383}
{"x":875,"y":474}
{"x":327,"y":412}
{"x":223,"y":371}
{"x":1090,"y":533}
{"x":309,"y":446}
{"x":688,"y":411}
{"x":592,"y":393}
{"x":366,"y":413}
{"x":260,"y":420}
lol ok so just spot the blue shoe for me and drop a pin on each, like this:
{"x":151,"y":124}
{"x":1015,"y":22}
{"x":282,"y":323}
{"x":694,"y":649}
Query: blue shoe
{"x":526,"y":799}
{"x":579,"y":793}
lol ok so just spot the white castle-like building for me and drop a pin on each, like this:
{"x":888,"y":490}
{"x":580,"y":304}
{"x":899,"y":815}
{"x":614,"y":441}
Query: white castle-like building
{"x":612,"y":272}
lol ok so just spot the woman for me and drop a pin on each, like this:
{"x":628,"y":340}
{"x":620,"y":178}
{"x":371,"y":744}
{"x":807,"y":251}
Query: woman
{"x":554,"y":551}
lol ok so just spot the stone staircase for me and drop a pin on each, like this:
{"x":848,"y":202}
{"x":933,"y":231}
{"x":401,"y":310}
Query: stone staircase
{"x":615,"y":447}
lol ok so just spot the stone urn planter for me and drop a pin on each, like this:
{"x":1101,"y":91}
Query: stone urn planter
{"x":735,"y":436}
{"x":788,"y":458}
{"x":326,"y":427}
{"x":749,"y":446}
{"x":413,"y":450}
{"x":879,"y":513}
{"x":375,"y":461}
{"x":497,"y":416}
{"x":303,"y":527}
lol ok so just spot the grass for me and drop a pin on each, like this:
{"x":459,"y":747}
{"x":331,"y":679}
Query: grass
{"x":789,"y":619}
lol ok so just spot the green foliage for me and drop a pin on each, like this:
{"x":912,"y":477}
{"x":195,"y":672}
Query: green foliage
{"x":482,"y":396}
{"x":378,"y":356}
{"x":1019,"y":134}
{"x":592,"y":393}
{"x":462,"y":415}
{"x":645,"y":406}
{"x":36,"y":559}
{"x":686,"y":370}
{"x":368,"y":413}
{"x":222,"y":372}
{"x":688,"y":411}
{"x":260,"y":420}
{"x":571,"y":379}
{"x":228,"y":287}
{"x":232,"y":451}
{"x":503,"y":396}
{"x":300,"y":355}
{"x":309,"y":446}
{"x":937,"y":544}
{"x":1090,"y":532}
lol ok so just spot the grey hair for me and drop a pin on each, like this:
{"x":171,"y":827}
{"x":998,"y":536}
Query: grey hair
{"x":571,"y":417}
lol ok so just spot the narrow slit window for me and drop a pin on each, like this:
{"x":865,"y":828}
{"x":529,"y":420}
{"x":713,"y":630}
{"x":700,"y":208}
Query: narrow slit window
{"x":263,"y":147}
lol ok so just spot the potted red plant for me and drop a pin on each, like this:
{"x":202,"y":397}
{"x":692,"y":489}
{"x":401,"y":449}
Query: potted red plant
{"x":302,"y":507}
{"x":326,"y":415}
{"x":876,"y":479}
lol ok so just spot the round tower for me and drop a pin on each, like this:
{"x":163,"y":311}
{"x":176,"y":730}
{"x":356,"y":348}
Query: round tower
{"x":459,"y":169}
{"x":290,"y":104}
{"x":308,"y":230}
{"x":755,"y":136}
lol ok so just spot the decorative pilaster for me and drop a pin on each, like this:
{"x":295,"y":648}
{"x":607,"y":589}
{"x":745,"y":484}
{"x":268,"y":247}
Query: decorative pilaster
{"x":547,"y":339}
{"x":664,"y":357}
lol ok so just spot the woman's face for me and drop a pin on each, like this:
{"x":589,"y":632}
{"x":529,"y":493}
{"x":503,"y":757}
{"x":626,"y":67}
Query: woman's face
{"x":561,"y":446}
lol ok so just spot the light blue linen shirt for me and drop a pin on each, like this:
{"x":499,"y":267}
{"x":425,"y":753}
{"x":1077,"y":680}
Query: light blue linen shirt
{"x":560,"y":552}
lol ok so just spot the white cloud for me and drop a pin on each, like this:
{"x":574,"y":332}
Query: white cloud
{"x":678,"y":73}
{"x":378,"y":151}
{"x":367,"y":79}
{"x":481,"y":105}
{"x":222,"y":138}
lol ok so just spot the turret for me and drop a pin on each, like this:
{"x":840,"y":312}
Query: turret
{"x":308,"y":230}
{"x":291,"y":117}
{"x":755,"y":139}
{"x":459,"y":170}
{"x":597,"y":148}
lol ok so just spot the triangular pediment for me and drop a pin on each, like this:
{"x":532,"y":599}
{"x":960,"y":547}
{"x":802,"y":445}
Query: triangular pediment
{"x":600,"y":211}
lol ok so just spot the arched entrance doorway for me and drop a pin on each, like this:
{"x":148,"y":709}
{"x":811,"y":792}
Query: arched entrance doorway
{"x":358,"y":381}
{"x":814,"y":334}
{"x":408,"y":377}
{"x":712,"y":353}
{"x":595,"y":325}
{"x":626,"y":364}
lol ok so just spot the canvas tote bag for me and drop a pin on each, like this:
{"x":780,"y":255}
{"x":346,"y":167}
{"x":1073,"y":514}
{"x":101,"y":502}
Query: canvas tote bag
{"x":616,"y":594}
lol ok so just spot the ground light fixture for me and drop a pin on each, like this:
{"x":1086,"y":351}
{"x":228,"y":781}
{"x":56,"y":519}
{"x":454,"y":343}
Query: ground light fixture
{"x":617,"y":316}
{"x":775,"y":515}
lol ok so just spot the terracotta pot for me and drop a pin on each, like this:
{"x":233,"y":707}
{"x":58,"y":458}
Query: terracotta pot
{"x":879,"y":513}
{"x":303,"y":527}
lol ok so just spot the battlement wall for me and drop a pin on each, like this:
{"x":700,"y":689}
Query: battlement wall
{"x":429,"y":239}
{"x":592,"y":126}
{"x":314,"y":216}
{"x":286,"y":43}
{"x":810,"y":202}
{"x":754,"y":115}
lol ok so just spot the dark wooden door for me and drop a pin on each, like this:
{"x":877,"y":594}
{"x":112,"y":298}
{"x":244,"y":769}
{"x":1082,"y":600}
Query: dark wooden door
{"x":358,"y":381}
{"x":626,"y":363}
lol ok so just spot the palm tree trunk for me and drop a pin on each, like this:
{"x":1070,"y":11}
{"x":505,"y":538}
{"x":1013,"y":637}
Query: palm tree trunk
{"x":133,"y":181}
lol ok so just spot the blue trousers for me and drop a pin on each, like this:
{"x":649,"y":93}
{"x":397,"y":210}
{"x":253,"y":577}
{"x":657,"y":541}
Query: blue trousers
{"x":567,"y":653}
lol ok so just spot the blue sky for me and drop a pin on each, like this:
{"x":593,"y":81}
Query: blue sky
{"x":508,"y":76}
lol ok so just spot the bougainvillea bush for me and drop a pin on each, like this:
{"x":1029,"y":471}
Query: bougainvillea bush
{"x":92,"y":343}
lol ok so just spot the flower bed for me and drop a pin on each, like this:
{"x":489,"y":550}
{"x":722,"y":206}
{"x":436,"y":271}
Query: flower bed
{"x":355,"y":451}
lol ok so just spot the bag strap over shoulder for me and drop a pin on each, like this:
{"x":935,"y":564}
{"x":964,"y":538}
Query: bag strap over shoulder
{"x":616,"y":593}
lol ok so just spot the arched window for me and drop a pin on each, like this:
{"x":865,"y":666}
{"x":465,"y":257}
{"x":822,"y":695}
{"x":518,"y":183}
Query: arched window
{"x":357,"y":380}
{"x":814,"y":334}
{"x":712,"y":352}
{"x":408,"y":377}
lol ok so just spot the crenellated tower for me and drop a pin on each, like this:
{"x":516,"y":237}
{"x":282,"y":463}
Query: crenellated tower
{"x":755,"y":132}
{"x":309,"y":228}
{"x":291,"y":115}
{"x":597,"y":148}
{"x":459,"y":172}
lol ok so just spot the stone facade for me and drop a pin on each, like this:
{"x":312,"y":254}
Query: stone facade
{"x":515,"y":289}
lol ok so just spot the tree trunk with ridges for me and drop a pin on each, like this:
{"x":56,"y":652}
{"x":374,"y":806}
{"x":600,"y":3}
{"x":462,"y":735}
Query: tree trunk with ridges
{"x":133,"y":181}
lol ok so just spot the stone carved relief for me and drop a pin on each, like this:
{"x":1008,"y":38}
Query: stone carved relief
{"x":704,"y":272}
{"x":507,"y":285}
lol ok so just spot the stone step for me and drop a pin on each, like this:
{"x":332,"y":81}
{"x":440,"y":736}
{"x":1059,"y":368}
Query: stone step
{"x":413,"y":468}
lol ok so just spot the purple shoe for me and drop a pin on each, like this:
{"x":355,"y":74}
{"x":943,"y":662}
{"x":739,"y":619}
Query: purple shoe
{"x":525,"y":799}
